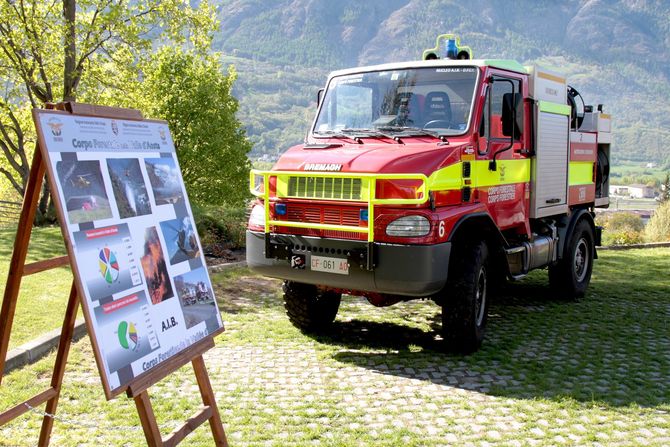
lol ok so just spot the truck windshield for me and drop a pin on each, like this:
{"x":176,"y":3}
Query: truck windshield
{"x":435,"y":99}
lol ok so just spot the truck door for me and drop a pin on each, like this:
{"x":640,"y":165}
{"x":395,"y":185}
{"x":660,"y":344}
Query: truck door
{"x":503,"y":165}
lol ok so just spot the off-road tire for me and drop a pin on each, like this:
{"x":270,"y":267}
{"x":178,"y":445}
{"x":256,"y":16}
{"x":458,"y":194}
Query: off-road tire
{"x":308,"y":308}
{"x":466,"y":298}
{"x":570,"y":276}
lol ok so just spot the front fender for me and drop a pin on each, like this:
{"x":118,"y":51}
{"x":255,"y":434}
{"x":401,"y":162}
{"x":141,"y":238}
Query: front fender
{"x":480,"y":222}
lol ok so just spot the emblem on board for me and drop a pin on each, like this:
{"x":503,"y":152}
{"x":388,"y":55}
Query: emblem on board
{"x":56,"y":127}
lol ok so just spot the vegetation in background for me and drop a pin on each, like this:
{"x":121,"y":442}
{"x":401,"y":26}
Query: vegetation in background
{"x":637,"y":172}
{"x":658,"y":228}
{"x":150,"y":55}
{"x":279,"y":102}
{"x":194,"y":96}
{"x":220,"y":228}
{"x":621,"y":228}
{"x":665,"y":189}
{"x":67,"y":50}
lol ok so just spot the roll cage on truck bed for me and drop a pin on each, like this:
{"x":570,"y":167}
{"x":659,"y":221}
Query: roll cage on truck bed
{"x":434,"y":179}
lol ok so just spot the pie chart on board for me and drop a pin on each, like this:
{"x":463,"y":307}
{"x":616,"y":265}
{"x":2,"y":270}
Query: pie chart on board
{"x":109,"y":266}
{"x":128,"y":337}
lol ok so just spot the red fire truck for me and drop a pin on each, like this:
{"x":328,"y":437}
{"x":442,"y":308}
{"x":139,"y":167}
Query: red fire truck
{"x":437,"y":179}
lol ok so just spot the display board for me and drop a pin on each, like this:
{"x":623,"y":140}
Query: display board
{"x":128,"y":225}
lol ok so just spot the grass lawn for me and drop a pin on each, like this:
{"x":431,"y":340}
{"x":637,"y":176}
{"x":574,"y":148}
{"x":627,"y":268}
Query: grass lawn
{"x":43,"y":296}
{"x":550,"y":373}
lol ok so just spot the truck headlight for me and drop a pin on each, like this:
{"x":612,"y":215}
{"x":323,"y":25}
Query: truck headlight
{"x":257,"y":217}
{"x":409,"y":226}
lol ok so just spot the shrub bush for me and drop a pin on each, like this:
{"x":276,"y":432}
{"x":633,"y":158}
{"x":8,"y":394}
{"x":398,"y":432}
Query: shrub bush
{"x":658,"y":228}
{"x":623,"y":221}
{"x":220,"y":228}
{"x":622,"y":237}
{"x":621,"y":228}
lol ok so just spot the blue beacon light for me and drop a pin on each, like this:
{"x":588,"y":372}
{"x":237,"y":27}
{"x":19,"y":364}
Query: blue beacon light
{"x":452,"y":49}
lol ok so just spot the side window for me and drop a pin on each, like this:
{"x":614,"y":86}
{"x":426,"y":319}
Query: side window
{"x":503,"y":96}
{"x":484,"y":122}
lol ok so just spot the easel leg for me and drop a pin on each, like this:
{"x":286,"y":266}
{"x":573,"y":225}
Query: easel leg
{"x":148,"y":420}
{"x":208,"y":399}
{"x":59,"y":367}
{"x":21,"y":242}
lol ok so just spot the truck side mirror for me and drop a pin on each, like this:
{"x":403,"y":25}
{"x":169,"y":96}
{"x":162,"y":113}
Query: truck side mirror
{"x":319,"y":97}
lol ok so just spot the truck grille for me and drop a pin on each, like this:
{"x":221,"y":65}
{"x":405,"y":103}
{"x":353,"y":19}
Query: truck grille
{"x":323,"y":215}
{"x":349,"y":216}
{"x":342,"y":188}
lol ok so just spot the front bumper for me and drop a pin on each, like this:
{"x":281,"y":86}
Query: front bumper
{"x":410,"y":270}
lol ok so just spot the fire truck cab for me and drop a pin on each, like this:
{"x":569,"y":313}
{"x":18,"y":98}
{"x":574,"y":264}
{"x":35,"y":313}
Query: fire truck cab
{"x":437,"y":179}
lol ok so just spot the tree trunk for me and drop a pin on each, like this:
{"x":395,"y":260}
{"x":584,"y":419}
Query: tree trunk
{"x":70,"y":50}
{"x":45,"y":213}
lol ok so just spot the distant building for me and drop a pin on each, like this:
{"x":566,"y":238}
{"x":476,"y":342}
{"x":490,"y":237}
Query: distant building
{"x":633,"y":191}
{"x":617,"y":190}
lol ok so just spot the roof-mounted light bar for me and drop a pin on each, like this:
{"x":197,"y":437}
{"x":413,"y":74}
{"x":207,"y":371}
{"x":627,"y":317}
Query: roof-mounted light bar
{"x":448,"y":46}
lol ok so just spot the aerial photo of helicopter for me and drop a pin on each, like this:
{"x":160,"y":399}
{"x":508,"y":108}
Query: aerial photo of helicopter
{"x":80,"y":181}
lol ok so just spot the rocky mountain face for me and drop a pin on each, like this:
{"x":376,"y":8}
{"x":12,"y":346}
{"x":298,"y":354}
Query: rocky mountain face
{"x":616,"y":52}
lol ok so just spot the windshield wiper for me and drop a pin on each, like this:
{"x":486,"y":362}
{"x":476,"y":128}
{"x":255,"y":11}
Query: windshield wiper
{"x":368,"y":133}
{"x":356,"y":134}
{"x":415,"y":131}
{"x":337,"y":134}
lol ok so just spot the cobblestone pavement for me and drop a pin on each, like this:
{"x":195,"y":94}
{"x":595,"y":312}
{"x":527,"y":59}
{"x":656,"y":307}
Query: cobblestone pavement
{"x":544,"y":377}
{"x":292,"y":390}
{"x":443,"y":404}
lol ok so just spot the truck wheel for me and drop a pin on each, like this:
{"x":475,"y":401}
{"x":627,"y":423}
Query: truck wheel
{"x":571,"y":275}
{"x":309,"y":309}
{"x":465,"y":303}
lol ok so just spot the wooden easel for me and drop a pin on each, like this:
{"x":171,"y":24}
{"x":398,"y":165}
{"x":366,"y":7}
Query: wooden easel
{"x":138,"y":389}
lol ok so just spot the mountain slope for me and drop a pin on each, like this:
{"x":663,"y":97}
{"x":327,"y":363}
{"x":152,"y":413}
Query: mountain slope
{"x":615,"y":52}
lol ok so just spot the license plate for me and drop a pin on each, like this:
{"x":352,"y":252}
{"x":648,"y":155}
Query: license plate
{"x":330,"y":265}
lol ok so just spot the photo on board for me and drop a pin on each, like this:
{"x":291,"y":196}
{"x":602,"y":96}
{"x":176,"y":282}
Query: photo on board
{"x":195,"y":296}
{"x":180,"y":240}
{"x":128,"y":187}
{"x":164,"y":177}
{"x":84,"y":190}
{"x":155,"y":269}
